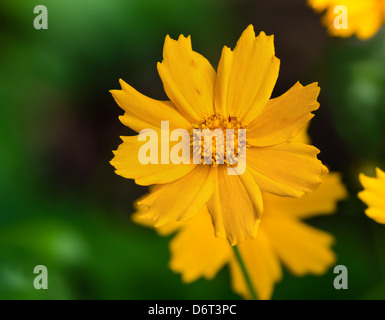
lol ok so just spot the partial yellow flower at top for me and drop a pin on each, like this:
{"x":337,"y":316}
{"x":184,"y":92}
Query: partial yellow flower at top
{"x":365,"y":17}
{"x":282,"y":238}
{"x":374,"y":195}
{"x":236,"y":97}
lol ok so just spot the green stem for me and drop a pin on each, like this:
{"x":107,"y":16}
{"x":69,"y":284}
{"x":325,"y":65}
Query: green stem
{"x":245,"y":273}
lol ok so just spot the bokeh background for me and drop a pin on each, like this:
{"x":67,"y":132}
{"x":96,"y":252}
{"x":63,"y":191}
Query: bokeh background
{"x":62,"y":206}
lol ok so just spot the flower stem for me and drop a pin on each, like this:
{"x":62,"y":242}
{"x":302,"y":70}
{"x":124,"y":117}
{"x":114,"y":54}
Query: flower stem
{"x":242,"y":265}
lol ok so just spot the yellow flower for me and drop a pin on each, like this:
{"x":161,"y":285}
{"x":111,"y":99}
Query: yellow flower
{"x":374,"y":195}
{"x":282,"y":238}
{"x":236,"y":97}
{"x":365,"y":17}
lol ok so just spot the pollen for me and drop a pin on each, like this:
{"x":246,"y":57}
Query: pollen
{"x":218,"y":139}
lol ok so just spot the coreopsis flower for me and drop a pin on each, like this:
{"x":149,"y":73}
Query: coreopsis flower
{"x":282,"y":238}
{"x":374,"y":195}
{"x":364,"y":17}
{"x":236,"y":97}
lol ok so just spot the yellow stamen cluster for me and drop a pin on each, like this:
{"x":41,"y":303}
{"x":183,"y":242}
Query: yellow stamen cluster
{"x":219,"y":152}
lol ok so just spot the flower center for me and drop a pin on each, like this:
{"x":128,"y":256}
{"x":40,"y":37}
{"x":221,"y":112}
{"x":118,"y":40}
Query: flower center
{"x":218,"y":139}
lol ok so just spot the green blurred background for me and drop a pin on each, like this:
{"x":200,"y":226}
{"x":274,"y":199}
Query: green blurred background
{"x":62,"y":206}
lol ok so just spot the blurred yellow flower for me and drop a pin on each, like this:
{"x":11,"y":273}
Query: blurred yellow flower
{"x":365,"y":17}
{"x":374,"y":195}
{"x":236,"y":97}
{"x":282,"y":238}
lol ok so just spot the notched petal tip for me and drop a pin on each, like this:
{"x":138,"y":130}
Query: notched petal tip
{"x":111,"y":162}
{"x":235,"y":238}
{"x":234,"y":241}
{"x":361,"y":195}
{"x":365,"y":180}
{"x":250,"y":27}
{"x":380,"y":174}
{"x":377,"y":215}
{"x":122,"y":83}
{"x":159,"y":66}
{"x":267,"y":38}
{"x":115,"y":93}
{"x":316,"y":84}
{"x":325,"y":170}
{"x":249,"y":32}
{"x":168,"y":41}
{"x":182,"y":37}
{"x":315,"y":87}
{"x":263,"y":34}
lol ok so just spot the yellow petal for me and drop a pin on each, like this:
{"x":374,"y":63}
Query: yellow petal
{"x":322,"y":201}
{"x":364,"y":18}
{"x":222,"y":81}
{"x":380,"y":174}
{"x":303,"y":249}
{"x":319,"y":5}
{"x":138,"y":217}
{"x":374,"y":195}
{"x":284,"y":117}
{"x":374,"y":185}
{"x":127,"y":165}
{"x":373,"y":199}
{"x":247,"y":76}
{"x":235,"y":207}
{"x":288,"y":169}
{"x":377,"y":215}
{"x":196,"y":252}
{"x":188,"y":79}
{"x":142,"y":112}
{"x":165,"y":230}
{"x":262,"y":265}
{"x":303,"y":136}
{"x":182,"y":199}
